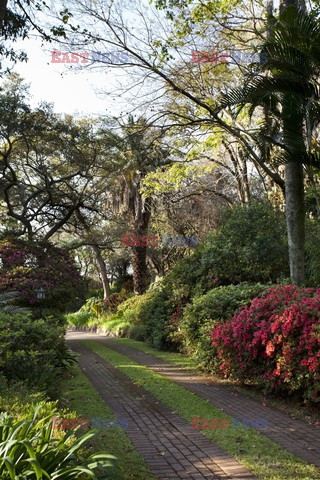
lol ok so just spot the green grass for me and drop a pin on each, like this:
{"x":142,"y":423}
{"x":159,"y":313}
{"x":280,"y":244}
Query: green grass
{"x":80,"y":396}
{"x":288,"y":405}
{"x":175,"y":358}
{"x":267,"y":460}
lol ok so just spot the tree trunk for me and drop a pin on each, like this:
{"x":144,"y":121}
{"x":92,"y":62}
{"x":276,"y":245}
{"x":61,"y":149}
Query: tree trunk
{"x":294,"y":178}
{"x":142,"y":214}
{"x":139,"y":265}
{"x":103,"y":271}
{"x":295,"y":216}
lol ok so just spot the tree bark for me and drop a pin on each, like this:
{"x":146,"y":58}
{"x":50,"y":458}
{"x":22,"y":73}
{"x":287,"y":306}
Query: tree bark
{"x":295,"y":216}
{"x":142,"y":214}
{"x":139,"y":254}
{"x":103,"y":271}
{"x":139,"y":265}
{"x":294,"y":180}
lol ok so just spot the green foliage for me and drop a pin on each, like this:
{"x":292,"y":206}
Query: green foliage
{"x":78,"y":319}
{"x":183,"y":280}
{"x":7,"y":300}
{"x":95,"y":308}
{"x":219,"y":304}
{"x":143,"y":317}
{"x":28,"y":449}
{"x":172,"y":178}
{"x":18,"y":399}
{"x":249,"y":246}
{"x":32,"y":350}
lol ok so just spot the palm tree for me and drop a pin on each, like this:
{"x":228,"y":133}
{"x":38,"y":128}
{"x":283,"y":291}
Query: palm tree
{"x":286,"y":87}
{"x":142,"y":150}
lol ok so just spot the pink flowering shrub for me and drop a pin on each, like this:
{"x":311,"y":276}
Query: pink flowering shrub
{"x":274,"y":341}
{"x":26,"y":267}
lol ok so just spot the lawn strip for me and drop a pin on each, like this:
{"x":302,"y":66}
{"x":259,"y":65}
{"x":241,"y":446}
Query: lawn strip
{"x":287,"y":405}
{"x":263,"y":457}
{"x":171,"y":357}
{"x":80,"y":395}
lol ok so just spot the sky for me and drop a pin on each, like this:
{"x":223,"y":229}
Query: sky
{"x":72,"y":92}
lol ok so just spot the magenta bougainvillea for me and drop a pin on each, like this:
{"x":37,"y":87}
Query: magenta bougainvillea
{"x":274,"y":341}
{"x":26,"y":267}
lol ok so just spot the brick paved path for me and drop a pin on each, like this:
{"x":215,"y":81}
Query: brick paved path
{"x":169,"y":445}
{"x":294,"y":435}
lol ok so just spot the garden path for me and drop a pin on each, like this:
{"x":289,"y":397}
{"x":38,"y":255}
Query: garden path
{"x":294,"y":435}
{"x":171,"y":448}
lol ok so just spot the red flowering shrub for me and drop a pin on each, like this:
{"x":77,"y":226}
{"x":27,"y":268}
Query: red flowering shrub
{"x":275,"y":341}
{"x":26,"y":267}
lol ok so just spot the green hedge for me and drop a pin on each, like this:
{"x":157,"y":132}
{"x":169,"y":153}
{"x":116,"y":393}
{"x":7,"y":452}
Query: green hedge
{"x":33,"y":351}
{"x":219,"y":304}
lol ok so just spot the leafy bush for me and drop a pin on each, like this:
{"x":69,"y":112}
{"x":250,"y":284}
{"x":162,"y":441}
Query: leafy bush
{"x":78,"y":319}
{"x":26,"y":267}
{"x":274,"y":342}
{"x":28,"y":449}
{"x":32,"y":350}
{"x":111,"y":303}
{"x":143,"y":317}
{"x":219,"y":304}
{"x":93,"y":311}
{"x":182,"y":282}
{"x":249,"y":246}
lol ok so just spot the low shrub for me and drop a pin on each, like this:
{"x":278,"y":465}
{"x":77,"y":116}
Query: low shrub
{"x":31,"y":350}
{"x":78,"y":319}
{"x":28,"y":449}
{"x":274,"y":342}
{"x":17,"y":398}
{"x":111,"y":303}
{"x":249,"y":246}
{"x":143,"y":317}
{"x":217,"y":305}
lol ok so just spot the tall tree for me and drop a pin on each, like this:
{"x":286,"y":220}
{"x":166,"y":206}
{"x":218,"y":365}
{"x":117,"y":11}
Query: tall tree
{"x":294,"y":118}
{"x":142,"y":151}
{"x":290,"y":93}
{"x":50,"y":166}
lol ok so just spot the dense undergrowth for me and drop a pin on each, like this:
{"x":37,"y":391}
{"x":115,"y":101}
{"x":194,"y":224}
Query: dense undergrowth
{"x":34,"y":359}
